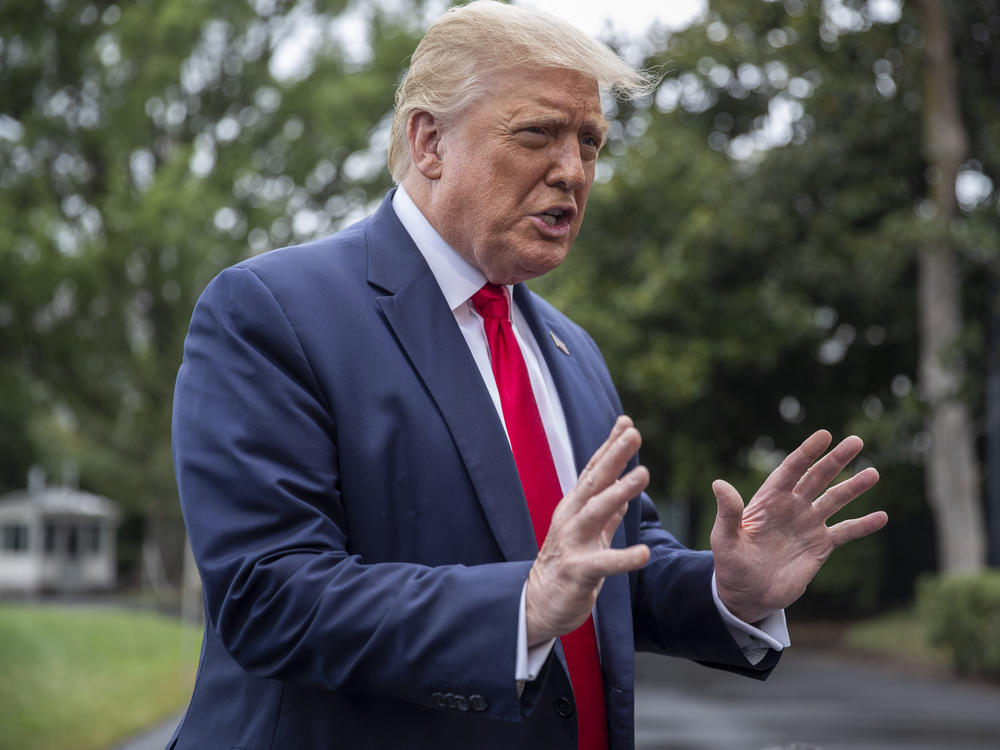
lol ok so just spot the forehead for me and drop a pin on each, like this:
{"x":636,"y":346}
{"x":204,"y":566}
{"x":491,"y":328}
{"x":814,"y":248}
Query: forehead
{"x":552,"y":92}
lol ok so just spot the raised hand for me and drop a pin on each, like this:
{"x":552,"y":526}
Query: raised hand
{"x":576,"y":555}
{"x":768,"y":552}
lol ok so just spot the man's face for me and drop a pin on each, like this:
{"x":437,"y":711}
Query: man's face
{"x":516,"y":169}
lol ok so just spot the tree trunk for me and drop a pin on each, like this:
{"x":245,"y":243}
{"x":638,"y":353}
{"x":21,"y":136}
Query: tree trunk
{"x":951,"y":475}
{"x":993,"y":416}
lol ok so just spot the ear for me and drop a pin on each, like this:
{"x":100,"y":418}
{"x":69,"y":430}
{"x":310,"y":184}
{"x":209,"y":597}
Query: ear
{"x":424,"y":135}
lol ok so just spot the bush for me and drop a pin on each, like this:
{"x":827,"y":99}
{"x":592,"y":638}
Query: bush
{"x":963,"y":615}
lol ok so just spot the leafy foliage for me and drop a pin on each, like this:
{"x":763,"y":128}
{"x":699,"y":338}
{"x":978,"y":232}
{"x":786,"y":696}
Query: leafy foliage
{"x":758,"y":236}
{"x":747,"y":263}
{"x":146,"y":146}
{"x":963,"y":614}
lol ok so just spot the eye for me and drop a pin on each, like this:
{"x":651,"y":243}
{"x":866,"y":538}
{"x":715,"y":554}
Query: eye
{"x":591,"y":143}
{"x":533,"y":136}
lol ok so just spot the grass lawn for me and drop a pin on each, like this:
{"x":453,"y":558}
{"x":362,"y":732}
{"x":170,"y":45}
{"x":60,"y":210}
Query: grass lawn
{"x":76,"y":678}
{"x":899,"y":635}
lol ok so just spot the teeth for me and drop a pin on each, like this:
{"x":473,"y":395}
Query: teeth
{"x":549,"y":219}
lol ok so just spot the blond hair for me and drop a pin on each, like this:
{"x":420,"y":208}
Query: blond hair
{"x":449,"y":67}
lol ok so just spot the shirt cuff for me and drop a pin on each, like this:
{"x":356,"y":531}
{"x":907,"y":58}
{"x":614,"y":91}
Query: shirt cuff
{"x":754,"y":640}
{"x":529,"y":661}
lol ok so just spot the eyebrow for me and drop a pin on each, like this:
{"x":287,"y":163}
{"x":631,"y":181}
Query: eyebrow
{"x":553,"y":115}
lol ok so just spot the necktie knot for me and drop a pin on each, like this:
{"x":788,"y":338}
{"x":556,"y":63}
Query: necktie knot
{"x":491,"y":302}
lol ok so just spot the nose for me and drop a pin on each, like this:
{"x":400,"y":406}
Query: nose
{"x":567,"y":170}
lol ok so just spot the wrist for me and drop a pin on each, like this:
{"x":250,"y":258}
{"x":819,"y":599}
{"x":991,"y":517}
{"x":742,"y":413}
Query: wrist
{"x":536,"y":629}
{"x":737,"y":606}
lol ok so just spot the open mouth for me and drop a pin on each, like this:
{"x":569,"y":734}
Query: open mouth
{"x":556,"y":217}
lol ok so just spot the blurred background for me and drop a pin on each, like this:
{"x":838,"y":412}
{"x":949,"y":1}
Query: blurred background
{"x":800,"y":229}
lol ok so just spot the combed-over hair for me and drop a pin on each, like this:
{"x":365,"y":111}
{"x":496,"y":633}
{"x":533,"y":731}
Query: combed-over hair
{"x":467,"y":43}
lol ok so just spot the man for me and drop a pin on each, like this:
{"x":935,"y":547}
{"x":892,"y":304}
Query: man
{"x":371,"y":443}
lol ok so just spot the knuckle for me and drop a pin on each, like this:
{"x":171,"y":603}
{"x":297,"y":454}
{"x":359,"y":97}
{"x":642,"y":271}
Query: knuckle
{"x":588,"y":483}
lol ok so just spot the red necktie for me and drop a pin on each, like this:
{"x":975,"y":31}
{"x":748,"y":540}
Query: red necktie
{"x":543,"y":492}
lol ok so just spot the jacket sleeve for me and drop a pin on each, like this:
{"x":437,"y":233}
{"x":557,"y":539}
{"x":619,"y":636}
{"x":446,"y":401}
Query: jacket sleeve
{"x":256,"y":457}
{"x":674,"y":610}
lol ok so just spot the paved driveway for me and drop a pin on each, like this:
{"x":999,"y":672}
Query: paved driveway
{"x":813,"y":701}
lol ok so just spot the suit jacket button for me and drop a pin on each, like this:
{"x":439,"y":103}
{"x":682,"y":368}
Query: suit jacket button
{"x":437,"y":700}
{"x":461,"y":703}
{"x":563,"y":707}
{"x":450,"y":700}
{"x":478,"y":703}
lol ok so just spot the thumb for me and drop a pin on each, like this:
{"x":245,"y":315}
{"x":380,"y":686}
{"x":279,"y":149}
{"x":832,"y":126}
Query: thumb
{"x":730,"y":515}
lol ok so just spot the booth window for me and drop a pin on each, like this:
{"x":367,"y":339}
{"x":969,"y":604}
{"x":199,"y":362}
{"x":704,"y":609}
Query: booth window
{"x":14,"y":538}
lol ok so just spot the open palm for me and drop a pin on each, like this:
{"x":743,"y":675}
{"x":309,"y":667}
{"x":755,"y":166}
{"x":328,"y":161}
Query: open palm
{"x":768,"y":552}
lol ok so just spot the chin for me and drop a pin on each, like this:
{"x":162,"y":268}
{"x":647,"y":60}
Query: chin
{"x":524,"y":261}
{"x":535,"y":268}
{"x":550,"y":261}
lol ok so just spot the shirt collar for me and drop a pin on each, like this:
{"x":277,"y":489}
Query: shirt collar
{"x":458,"y":278}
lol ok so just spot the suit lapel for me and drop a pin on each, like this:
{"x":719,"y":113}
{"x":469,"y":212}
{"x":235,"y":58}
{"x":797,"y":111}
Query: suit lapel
{"x":578,"y":394}
{"x":419,"y":316}
{"x":581,"y":404}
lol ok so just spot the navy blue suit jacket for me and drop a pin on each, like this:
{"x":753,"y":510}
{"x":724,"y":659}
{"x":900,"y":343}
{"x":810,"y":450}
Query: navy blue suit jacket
{"x":358,"y":523}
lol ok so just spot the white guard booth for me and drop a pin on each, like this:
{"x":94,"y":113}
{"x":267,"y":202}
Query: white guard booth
{"x":56,"y":539}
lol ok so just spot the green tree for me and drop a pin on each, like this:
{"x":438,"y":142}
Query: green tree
{"x":951,"y":474}
{"x":759,"y":233}
{"x":143,"y":147}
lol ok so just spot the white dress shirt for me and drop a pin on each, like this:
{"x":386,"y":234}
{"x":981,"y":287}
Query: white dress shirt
{"x":459,"y":280}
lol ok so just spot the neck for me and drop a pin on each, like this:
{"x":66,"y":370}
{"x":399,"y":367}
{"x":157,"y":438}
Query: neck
{"x":419,"y":190}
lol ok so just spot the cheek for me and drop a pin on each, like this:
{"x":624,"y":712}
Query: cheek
{"x":581,"y":202}
{"x":513,"y":174}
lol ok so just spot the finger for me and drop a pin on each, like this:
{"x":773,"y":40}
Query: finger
{"x":614,"y":520}
{"x":611,"y":562}
{"x":855,"y":528}
{"x":787,"y":475}
{"x":635,"y":482}
{"x":606,"y":509}
{"x":730,"y":513}
{"x":605,"y":467}
{"x":827,"y":468}
{"x":840,"y":495}
{"x":621,"y":424}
